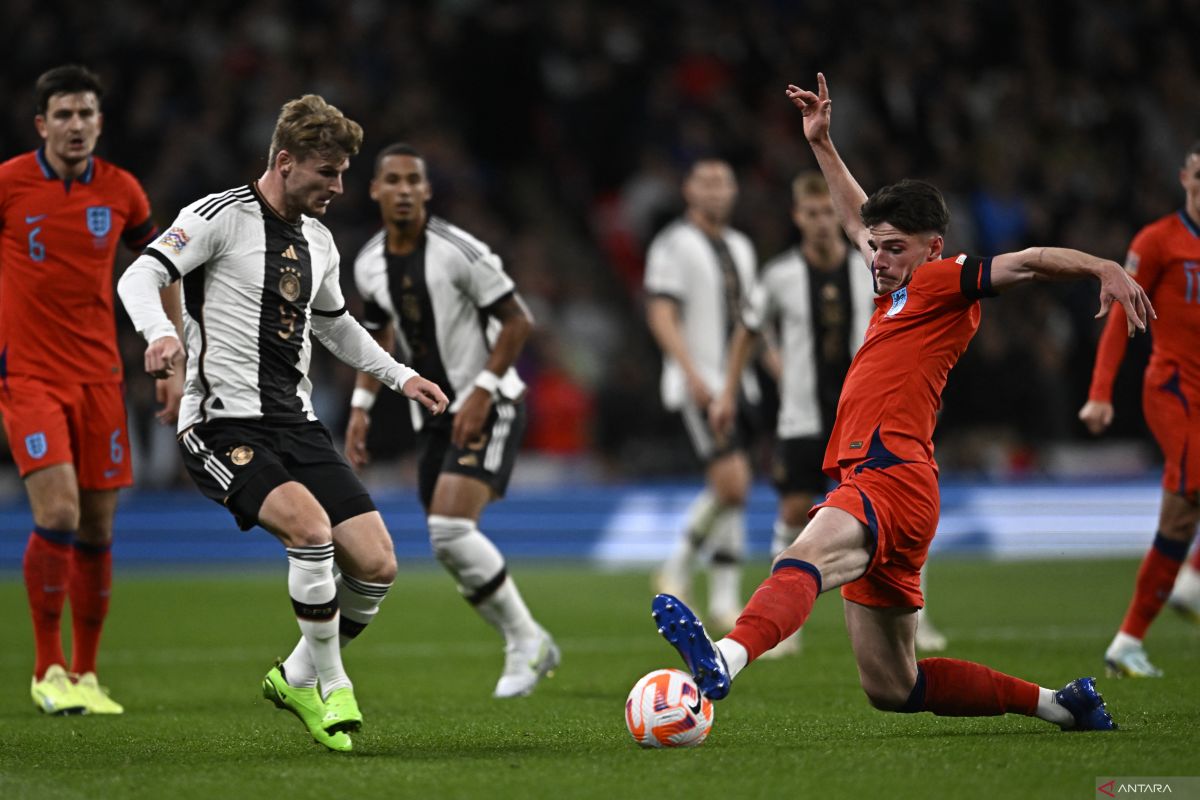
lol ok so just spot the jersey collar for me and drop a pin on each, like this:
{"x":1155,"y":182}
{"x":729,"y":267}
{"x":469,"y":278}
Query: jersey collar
{"x":1192,"y":225}
{"x":51,"y":175}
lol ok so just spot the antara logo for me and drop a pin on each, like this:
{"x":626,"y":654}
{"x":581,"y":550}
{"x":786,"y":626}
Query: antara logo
{"x":1112,"y":788}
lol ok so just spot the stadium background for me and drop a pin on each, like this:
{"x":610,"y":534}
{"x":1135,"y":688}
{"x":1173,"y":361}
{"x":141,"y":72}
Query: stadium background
{"x":559,"y":131}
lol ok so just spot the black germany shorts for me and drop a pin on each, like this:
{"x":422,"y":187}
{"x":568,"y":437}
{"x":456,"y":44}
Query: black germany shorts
{"x":237,"y":463}
{"x":796,"y":466}
{"x":490,"y":458}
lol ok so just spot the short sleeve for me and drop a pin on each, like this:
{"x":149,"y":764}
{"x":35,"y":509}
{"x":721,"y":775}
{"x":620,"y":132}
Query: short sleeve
{"x":191,"y":241}
{"x":665,"y":270}
{"x":140,"y":229}
{"x":484,"y":280}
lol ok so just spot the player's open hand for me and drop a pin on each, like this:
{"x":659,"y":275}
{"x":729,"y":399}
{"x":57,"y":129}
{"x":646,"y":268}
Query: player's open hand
{"x":427,"y":393}
{"x":356,"y":438}
{"x":1096,"y":416}
{"x":163,"y":356}
{"x":817,"y":108}
{"x":1117,"y":285}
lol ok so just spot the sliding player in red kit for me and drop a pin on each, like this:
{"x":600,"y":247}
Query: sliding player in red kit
{"x":62,"y":213}
{"x":1165,"y":259}
{"x":872,"y":533}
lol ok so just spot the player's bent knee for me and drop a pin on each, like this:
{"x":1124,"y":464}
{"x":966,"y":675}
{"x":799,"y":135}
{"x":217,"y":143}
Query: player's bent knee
{"x":444,"y":531}
{"x":307,"y":532}
{"x":58,"y":516}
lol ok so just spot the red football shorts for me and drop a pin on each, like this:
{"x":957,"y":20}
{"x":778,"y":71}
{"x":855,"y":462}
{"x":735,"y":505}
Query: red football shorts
{"x":68,"y":423}
{"x":899,"y":504}
{"x":1167,"y":404}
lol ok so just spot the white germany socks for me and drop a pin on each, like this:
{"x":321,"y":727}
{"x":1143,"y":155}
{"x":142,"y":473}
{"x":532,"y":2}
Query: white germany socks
{"x":314,"y":597}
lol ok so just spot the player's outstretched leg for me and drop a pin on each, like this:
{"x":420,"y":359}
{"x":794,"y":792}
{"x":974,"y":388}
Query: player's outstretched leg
{"x":684,"y":631}
{"x":1086,"y":705}
{"x":306,"y":704}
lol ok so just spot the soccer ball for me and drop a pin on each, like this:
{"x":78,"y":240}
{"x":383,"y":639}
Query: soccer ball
{"x":666,"y":709}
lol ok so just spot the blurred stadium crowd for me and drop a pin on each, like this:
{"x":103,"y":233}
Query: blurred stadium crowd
{"x":558,"y":131}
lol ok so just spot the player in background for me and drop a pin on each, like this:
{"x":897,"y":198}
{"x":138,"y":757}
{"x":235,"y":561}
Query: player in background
{"x":260,"y":275}
{"x":445,"y":295}
{"x":699,"y":272}
{"x":63,"y":211}
{"x":872,"y":533}
{"x":1164,"y":259}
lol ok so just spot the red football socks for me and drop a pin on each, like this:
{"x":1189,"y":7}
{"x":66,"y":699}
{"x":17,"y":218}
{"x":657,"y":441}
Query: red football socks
{"x":956,"y":688}
{"x":1154,"y":581}
{"x":778,"y":607}
{"x":90,"y":585}
{"x":46,"y":566}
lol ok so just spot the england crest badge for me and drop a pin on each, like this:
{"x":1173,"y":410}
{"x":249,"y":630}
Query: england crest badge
{"x":35,"y":444}
{"x":99,"y":221}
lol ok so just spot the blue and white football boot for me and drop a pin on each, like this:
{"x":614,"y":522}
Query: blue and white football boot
{"x":685,"y":632}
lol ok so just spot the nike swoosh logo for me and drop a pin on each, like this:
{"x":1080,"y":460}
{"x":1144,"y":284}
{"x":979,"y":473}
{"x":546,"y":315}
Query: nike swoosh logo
{"x":695,"y":709}
{"x":31,"y":220}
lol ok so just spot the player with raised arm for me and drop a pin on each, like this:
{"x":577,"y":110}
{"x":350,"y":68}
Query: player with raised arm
{"x":63,"y":211}
{"x":871,"y":535}
{"x":260,"y":274}
{"x":699,"y":271}
{"x":1164,"y":259}
{"x":446,"y":296}
{"x":819,"y":297}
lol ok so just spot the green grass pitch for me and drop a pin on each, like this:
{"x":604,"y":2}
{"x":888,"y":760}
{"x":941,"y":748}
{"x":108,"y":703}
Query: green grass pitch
{"x":185,"y":654}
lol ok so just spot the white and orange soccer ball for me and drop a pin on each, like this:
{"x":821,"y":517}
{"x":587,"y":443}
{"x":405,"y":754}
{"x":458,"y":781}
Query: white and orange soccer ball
{"x":665,"y":709}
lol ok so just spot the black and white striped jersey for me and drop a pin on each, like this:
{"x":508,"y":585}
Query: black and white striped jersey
{"x":785,"y":294}
{"x":252,"y":282}
{"x":436,"y":297}
{"x":685,"y":265}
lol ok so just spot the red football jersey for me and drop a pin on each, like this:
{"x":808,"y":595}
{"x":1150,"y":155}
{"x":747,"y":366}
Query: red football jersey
{"x":57,"y":243}
{"x":894,"y":386}
{"x":1165,"y":259}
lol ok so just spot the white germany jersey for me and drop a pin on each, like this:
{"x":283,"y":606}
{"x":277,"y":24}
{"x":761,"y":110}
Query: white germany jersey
{"x":683,"y":264}
{"x":251,"y":283}
{"x":435,"y":297}
{"x":783,"y":294}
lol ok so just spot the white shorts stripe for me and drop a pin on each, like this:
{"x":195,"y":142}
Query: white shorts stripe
{"x":495,"y":452}
{"x":212,"y":464}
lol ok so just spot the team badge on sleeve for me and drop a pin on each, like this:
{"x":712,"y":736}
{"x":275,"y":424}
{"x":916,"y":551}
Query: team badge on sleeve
{"x":99,"y":221}
{"x":176,"y":239}
{"x":35,"y":444}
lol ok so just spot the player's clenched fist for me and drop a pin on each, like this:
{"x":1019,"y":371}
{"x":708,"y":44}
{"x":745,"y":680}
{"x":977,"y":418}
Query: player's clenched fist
{"x":162,"y":355}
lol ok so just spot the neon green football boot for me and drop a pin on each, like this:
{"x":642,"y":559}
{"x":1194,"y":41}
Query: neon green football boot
{"x":96,"y":696}
{"x":306,"y":704}
{"x":341,"y":711}
{"x":55,"y":694}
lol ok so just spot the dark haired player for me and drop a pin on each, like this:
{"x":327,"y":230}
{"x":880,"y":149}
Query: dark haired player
{"x":871,"y":535}
{"x":445,"y":295}
{"x":63,"y":211}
